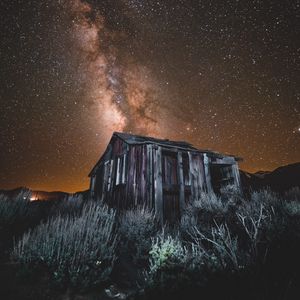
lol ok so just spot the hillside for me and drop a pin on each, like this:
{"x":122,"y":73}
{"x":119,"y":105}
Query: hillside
{"x":279,"y":180}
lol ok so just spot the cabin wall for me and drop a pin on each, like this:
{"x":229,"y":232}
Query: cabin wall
{"x":136,"y":187}
{"x":221,"y":172}
{"x":108,"y":182}
{"x":197,"y":174}
{"x":157,"y":181}
{"x":186,"y":185}
{"x":133,"y":175}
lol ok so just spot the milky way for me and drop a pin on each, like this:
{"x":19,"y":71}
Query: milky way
{"x":124,"y":93}
{"x":223,"y":75}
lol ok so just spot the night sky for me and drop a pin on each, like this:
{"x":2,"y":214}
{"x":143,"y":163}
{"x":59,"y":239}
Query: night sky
{"x":223,"y":75}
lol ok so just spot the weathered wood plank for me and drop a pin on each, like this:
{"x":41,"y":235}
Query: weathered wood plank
{"x":198,"y":171}
{"x":181,"y":183}
{"x":202,"y":172}
{"x":206,"y":161}
{"x":191,"y":175}
{"x":148,"y":201}
{"x":118,"y":172}
{"x":158,"y":184}
{"x":151,"y":176}
{"x":236,"y":176}
{"x":134,"y":165}
{"x":124,"y":168}
{"x":109,"y":175}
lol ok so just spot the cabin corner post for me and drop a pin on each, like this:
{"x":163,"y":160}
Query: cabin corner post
{"x":158,"y":192}
{"x":236,"y":176}
{"x":181,"y":183}
{"x":206,"y":161}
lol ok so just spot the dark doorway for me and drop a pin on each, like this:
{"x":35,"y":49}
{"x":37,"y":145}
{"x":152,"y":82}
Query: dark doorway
{"x":221,"y":176}
{"x":171,"y":188}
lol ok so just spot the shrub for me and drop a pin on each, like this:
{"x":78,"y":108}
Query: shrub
{"x":292,"y":208}
{"x":210,"y":202}
{"x":293,"y":194}
{"x":17,"y":215}
{"x":292,"y":204}
{"x":274,"y":221}
{"x":77,"y":250}
{"x":167,"y":260}
{"x":203,"y":212}
{"x":266,"y":197}
{"x":173,"y":265}
{"x":14,"y":210}
{"x":137,"y":226}
{"x":231,"y":194}
{"x":70,"y":205}
{"x":220,"y":248}
{"x":166,"y":251}
{"x":252,"y":223}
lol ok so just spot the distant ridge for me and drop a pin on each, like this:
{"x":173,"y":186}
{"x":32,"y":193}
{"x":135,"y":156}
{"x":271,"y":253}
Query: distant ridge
{"x":279,"y":180}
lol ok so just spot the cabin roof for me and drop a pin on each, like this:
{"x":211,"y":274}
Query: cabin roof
{"x":139,"y":139}
{"x":131,"y":139}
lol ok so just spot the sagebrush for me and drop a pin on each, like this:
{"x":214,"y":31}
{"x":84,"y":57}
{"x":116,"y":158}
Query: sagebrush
{"x":77,"y":250}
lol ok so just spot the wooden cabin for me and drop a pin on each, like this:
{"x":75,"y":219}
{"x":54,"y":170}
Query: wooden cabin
{"x":160,"y":174}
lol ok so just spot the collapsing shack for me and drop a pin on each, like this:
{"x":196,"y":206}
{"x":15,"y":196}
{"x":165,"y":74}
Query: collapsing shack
{"x":160,"y":174}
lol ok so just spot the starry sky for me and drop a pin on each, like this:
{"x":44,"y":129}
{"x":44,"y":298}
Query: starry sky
{"x":223,"y":75}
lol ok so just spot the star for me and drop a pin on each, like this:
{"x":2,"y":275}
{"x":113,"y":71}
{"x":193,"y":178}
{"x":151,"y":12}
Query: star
{"x":74,"y":71}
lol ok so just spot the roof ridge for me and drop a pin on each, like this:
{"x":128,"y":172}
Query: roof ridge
{"x":124,"y":134}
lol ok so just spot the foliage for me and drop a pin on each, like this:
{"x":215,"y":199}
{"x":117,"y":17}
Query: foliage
{"x":70,"y":205}
{"x":293,"y":194}
{"x":203,"y":211}
{"x":293,"y":208}
{"x":137,"y":226}
{"x":168,"y":258}
{"x":221,"y":246}
{"x":15,"y":209}
{"x":166,"y":251}
{"x":254,"y":216}
{"x":223,"y":238}
{"x":77,"y":250}
{"x":17,"y":215}
{"x":231,"y":194}
{"x":210,"y":202}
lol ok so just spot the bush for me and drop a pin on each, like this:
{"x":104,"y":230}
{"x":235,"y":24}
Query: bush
{"x":210,"y":202}
{"x":167,"y":260}
{"x":165,"y":252}
{"x":78,"y":251}
{"x":292,"y":202}
{"x":293,"y":194}
{"x":14,"y":210}
{"x":292,"y":208}
{"x":70,"y":205}
{"x":203,"y":212}
{"x":231,"y":194}
{"x":17,"y":215}
{"x":267,"y":198}
{"x":137,"y":226}
{"x":174,"y":266}
{"x":252,"y":216}
{"x":220,"y":248}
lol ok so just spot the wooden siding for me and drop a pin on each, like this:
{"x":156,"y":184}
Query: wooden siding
{"x":157,"y":182}
{"x":197,"y":179}
{"x":158,"y":177}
